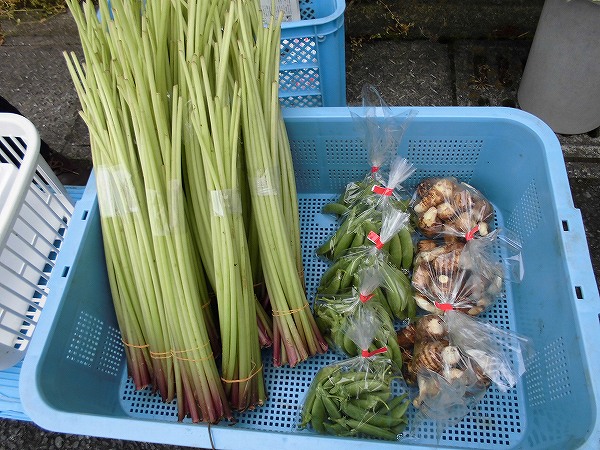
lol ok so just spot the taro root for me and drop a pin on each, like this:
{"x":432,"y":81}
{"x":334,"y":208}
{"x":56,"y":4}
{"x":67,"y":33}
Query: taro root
{"x":447,"y":206}
{"x":429,"y":224}
{"x":436,"y":195}
{"x":431,"y":328}
{"x":426,"y":245}
{"x":429,"y":356}
{"x":407,"y":336}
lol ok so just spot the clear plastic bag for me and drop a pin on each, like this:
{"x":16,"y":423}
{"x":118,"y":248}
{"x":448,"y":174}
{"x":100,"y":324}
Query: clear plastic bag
{"x":442,"y":283}
{"x":466,"y":270}
{"x":454,"y":359}
{"x":454,"y":210}
{"x":358,"y":396}
{"x":384,"y":189}
{"x":335,"y":313}
{"x":377,"y":251}
{"x":383,"y":131}
{"x":366,"y":214}
{"x":446,"y":206}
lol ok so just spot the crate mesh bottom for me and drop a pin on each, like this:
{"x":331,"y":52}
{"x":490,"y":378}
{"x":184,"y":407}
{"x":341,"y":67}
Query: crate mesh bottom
{"x":496,"y":422}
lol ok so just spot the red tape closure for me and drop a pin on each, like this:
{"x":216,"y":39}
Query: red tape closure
{"x":367,"y":353}
{"x":374,"y":169}
{"x":366,"y":298}
{"x":375,"y":239}
{"x":444,"y":306}
{"x":471,"y":234}
{"x":383,"y":190}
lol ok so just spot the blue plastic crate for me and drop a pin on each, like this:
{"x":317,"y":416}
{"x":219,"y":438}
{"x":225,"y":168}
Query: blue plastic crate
{"x":312,"y":68}
{"x":74,"y":377}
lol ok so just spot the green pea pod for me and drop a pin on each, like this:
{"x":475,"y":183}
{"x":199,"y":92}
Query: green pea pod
{"x":340,"y":246}
{"x":395,"y":402}
{"x":327,"y":248}
{"x":371,"y":403}
{"x":399,"y":429}
{"x":324,"y":248}
{"x":394,"y":348}
{"x":383,"y":395}
{"x":369,"y":226}
{"x":399,"y":411}
{"x":327,"y":277}
{"x":368,"y":429}
{"x":357,"y":387}
{"x":332,"y":409}
{"x":322,"y":375}
{"x":408,"y":249}
{"x":359,"y":239}
{"x":380,"y":302}
{"x":318,"y":415}
{"x":351,"y":271}
{"x":337,"y":429}
{"x":395,"y":251}
{"x":334,"y":285}
{"x":349,"y":346}
{"x":335,"y":208}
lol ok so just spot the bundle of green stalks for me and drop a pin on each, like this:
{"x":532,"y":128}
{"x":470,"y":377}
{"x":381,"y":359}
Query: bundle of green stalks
{"x":197,"y":196}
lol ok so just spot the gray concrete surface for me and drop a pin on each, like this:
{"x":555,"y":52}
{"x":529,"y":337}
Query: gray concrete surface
{"x":418,"y":53}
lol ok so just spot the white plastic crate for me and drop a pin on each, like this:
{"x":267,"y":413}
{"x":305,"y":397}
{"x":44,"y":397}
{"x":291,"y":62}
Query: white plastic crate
{"x":34,"y":213}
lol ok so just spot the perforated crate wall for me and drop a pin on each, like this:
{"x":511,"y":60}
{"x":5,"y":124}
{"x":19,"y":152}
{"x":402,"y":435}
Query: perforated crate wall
{"x":312,"y":60}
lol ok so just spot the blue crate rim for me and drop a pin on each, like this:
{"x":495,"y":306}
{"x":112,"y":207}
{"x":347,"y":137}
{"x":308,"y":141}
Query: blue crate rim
{"x":575,"y":250}
{"x":338,"y":13}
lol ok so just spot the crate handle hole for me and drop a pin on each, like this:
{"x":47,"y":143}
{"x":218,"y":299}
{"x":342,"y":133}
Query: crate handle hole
{"x":65,"y":271}
{"x":565,"y":225}
{"x":321,"y":38}
{"x":84,"y":216}
{"x":579,"y":292}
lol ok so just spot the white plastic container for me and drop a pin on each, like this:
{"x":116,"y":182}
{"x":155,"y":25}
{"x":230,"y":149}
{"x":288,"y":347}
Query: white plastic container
{"x":35,"y":211}
{"x":561,"y":80}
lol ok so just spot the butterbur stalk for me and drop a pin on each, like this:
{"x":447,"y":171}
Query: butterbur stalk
{"x":196,"y":35}
{"x":296,"y":336}
{"x":214,"y":110}
{"x":136,"y":143}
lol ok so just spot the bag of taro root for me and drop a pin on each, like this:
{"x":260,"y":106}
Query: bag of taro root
{"x":454,"y":359}
{"x":466,"y":266}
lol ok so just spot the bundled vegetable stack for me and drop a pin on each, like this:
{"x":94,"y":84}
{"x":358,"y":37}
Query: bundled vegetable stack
{"x":195,"y":184}
{"x":361,"y":395}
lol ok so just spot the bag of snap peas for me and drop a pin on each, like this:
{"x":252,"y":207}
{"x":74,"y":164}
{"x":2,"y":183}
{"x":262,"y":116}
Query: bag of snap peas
{"x":383,"y":131}
{"x":359,"y":396}
{"x":334,"y":315}
{"x":383,"y":251}
{"x":365,"y":215}
{"x":454,"y":359}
